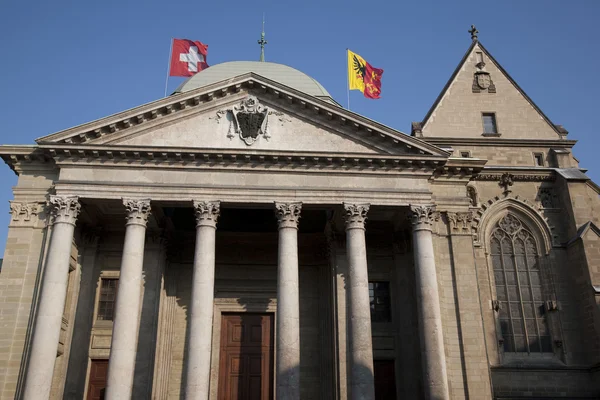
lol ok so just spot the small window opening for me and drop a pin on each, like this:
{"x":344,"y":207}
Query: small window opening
{"x":479,"y":57}
{"x":465,"y":154}
{"x":379,"y":297}
{"x":539,"y":159}
{"x":108,"y":296}
{"x":489,"y":124}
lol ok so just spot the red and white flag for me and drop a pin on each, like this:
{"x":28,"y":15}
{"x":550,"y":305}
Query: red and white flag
{"x":187,"y":57}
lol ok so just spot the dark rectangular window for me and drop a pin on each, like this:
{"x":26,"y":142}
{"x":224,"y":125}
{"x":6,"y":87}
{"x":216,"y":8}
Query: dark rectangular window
{"x":379,"y":297}
{"x":539,"y":159}
{"x":465,"y":154}
{"x":108,"y":296}
{"x":489,"y":124}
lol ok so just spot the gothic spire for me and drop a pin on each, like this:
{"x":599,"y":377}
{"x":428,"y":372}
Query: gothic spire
{"x":262,"y":41}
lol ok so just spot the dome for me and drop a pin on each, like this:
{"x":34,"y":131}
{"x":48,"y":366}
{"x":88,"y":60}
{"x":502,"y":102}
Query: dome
{"x":276,"y":72}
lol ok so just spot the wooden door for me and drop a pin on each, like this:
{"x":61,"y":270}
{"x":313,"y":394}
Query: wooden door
{"x":385,"y":379}
{"x":97,"y":381}
{"x":246,"y":357}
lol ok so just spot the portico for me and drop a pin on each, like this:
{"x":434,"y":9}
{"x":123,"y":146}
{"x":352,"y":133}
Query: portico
{"x":270,"y":263}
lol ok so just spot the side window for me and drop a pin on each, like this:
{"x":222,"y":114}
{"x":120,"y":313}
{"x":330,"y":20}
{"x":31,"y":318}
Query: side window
{"x":379,"y":297}
{"x":107,"y":298}
{"x":519,"y":289}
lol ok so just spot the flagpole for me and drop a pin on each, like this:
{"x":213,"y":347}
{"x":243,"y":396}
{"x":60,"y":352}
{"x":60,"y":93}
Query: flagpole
{"x":168,"y":67}
{"x":347,"y":79}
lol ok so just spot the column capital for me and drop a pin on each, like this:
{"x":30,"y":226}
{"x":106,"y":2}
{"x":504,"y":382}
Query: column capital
{"x":207,"y":213}
{"x":288,"y":214}
{"x":423,"y":216}
{"x":138,"y":211}
{"x":356,"y":215}
{"x":460,"y":222}
{"x":64,"y":209}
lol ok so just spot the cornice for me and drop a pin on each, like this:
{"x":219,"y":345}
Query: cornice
{"x":492,"y":141}
{"x":18,"y":156}
{"x":165,"y":109}
{"x":161,"y":157}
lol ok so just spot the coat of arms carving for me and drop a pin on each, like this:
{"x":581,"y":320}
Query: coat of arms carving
{"x":483,"y":81}
{"x":249,"y":120}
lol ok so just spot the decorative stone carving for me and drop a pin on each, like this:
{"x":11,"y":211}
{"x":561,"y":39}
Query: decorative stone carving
{"x":482,"y":81}
{"x":506,"y":180}
{"x":460,"y":222}
{"x":424,"y":215}
{"x":24,"y":211}
{"x":288,"y":214}
{"x":64,"y":209}
{"x":356,"y":215}
{"x":249,"y":120}
{"x":138,"y":211}
{"x":472,"y":195}
{"x":517,"y":178}
{"x":207,"y":212}
{"x":546,"y":198}
{"x":497,"y":204}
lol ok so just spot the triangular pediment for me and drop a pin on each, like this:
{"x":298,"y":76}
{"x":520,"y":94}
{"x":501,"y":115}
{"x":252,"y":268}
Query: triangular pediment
{"x":211,"y":117}
{"x":478,"y":86}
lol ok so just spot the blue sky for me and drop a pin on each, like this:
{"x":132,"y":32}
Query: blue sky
{"x":67,"y":63}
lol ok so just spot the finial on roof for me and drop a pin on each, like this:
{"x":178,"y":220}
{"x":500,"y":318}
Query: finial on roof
{"x":473,"y":31}
{"x":262,"y":41}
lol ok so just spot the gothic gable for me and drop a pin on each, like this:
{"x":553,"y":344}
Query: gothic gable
{"x":481,"y":86}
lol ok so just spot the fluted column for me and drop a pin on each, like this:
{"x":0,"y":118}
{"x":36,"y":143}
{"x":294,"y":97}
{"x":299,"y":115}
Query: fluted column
{"x":433,"y":359}
{"x":48,"y":321}
{"x":288,"y":303}
{"x":201,"y":308}
{"x":123,"y":347}
{"x":359,"y":308}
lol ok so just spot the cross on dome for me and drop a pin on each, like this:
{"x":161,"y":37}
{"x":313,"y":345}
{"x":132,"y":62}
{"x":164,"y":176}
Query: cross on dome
{"x":192,"y":58}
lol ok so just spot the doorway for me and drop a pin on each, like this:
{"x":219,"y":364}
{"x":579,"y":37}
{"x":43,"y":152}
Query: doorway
{"x":246,"y":357}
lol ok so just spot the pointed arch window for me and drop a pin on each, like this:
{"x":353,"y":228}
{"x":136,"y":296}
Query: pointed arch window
{"x":519,"y":288}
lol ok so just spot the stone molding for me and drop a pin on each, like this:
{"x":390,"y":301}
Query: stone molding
{"x":423,"y":216}
{"x":288,"y":214}
{"x":25,"y":211}
{"x":207,"y":213}
{"x":460,"y":222}
{"x":497,"y":204}
{"x":138,"y":211}
{"x":64,"y":209}
{"x":506,"y":176}
{"x":356,"y":215}
{"x":238,"y":159}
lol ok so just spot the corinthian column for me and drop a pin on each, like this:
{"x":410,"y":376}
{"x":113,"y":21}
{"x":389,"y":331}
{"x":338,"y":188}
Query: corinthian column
{"x":288,"y":303}
{"x":201,"y":308}
{"x":359,"y":308}
{"x":121,"y":363}
{"x":46,"y":334}
{"x":433,"y":359}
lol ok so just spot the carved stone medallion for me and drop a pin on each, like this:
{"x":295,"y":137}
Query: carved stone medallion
{"x":250,"y":119}
{"x":483,"y":81}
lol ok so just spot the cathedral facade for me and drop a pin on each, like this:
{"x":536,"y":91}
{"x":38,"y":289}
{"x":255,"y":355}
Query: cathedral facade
{"x":249,"y":238}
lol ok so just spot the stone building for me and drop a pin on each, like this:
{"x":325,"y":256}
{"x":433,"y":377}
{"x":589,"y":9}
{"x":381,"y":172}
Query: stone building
{"x":249,"y":238}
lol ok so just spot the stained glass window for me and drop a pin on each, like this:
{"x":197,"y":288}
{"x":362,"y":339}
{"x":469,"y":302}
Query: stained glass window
{"x":519,"y":288}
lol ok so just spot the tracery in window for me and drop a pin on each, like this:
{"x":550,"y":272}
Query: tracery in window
{"x":519,"y":288}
